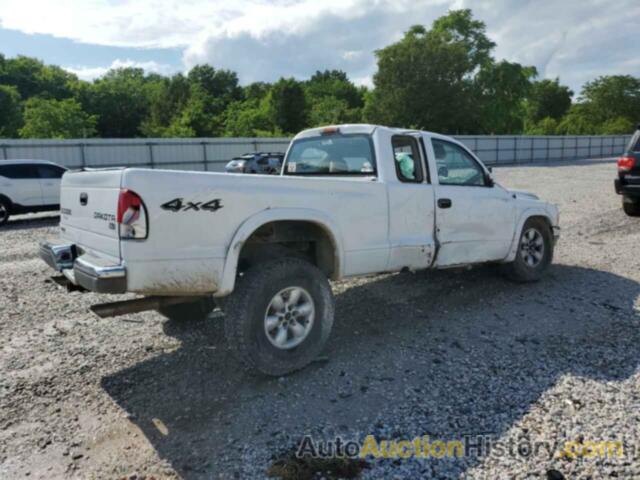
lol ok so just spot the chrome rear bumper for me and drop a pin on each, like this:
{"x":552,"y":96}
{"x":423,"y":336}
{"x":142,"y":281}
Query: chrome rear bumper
{"x":89,"y":272}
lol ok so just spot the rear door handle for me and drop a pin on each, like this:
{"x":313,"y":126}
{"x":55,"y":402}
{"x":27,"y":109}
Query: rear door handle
{"x":444,"y":202}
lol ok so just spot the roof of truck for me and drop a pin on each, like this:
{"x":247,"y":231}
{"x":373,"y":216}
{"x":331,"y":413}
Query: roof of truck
{"x":352,"y":128}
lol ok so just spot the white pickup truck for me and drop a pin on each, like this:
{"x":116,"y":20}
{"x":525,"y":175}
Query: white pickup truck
{"x":351,"y":200}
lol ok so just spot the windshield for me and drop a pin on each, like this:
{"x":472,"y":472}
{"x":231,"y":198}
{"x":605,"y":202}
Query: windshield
{"x":334,"y":155}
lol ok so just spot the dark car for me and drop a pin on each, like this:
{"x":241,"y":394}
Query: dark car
{"x":259,"y":162}
{"x":628,"y":182}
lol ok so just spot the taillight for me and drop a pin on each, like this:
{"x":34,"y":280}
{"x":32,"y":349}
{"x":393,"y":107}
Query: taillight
{"x":132,"y":215}
{"x":330,"y":131}
{"x":626,"y":163}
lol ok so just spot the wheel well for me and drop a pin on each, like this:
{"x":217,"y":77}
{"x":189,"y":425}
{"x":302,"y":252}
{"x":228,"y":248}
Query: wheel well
{"x":543,"y":219}
{"x":301,"y":239}
{"x":7,"y":200}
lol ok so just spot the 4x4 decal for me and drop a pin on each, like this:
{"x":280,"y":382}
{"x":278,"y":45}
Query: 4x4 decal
{"x":179,"y":205}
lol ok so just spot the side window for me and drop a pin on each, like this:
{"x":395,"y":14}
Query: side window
{"x":456,"y":166}
{"x":635,"y":142}
{"x":406,"y":156}
{"x":19,"y":172}
{"x":49,"y":171}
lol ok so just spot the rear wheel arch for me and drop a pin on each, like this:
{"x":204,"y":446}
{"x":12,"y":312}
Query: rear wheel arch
{"x":295,"y":238}
{"x":7,"y":200}
{"x":6,"y":209}
{"x":273,"y":233}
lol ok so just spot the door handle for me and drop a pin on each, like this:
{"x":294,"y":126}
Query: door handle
{"x":444,"y":202}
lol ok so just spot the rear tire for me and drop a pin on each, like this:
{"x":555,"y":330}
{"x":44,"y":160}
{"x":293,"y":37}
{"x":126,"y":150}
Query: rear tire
{"x":534,"y":253}
{"x":631,"y":206}
{"x":197,"y":310}
{"x":279,"y":316}
{"x":5,"y":211}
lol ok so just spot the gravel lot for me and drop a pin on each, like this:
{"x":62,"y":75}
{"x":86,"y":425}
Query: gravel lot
{"x":442,"y":354}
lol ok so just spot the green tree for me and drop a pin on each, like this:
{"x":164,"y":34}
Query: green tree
{"x":546,"y":126}
{"x":56,"y":119}
{"x":11,"y":118}
{"x":220,"y":84}
{"x":167,"y":98}
{"x":503,"y":88}
{"x":202,"y":114}
{"x":249,"y":119}
{"x":577,"y":121}
{"x":336,"y":84}
{"x":459,"y":28}
{"x":422,"y":82}
{"x":610,"y":97}
{"x":256,"y":91}
{"x":333,"y":98}
{"x":331,"y":110}
{"x":119,"y":101}
{"x":193,"y":105}
{"x":33,"y":78}
{"x":548,"y":99}
{"x":617,"y":126}
{"x":287,"y":106}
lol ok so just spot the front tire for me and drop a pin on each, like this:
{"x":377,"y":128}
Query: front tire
{"x":534,"y":254}
{"x":631,"y":206}
{"x":5,"y":211}
{"x":279,"y":316}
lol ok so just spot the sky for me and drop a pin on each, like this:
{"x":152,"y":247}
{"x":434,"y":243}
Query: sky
{"x":576,"y":40}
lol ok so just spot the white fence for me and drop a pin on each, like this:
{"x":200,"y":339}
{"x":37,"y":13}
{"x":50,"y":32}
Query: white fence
{"x":213,"y":153}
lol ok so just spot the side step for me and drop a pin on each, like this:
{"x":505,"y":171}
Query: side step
{"x":114,"y":309}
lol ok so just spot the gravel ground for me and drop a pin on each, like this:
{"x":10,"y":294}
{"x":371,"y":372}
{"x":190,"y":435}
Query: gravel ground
{"x":443,"y":354}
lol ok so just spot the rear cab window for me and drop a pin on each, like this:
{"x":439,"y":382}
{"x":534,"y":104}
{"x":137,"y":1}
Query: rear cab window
{"x":334,"y":154}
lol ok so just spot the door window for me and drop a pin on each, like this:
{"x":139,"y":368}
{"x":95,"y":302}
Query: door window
{"x":18,"y":171}
{"x":456,"y":166}
{"x":406,"y":157}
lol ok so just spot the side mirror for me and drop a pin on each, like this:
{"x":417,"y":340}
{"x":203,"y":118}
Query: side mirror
{"x":443,"y":171}
{"x":490,"y":169}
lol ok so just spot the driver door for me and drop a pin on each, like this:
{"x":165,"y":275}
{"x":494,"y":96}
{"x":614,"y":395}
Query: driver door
{"x":474,"y":217}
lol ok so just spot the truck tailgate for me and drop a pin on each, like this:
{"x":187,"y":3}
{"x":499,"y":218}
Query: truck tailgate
{"x":88,"y":208}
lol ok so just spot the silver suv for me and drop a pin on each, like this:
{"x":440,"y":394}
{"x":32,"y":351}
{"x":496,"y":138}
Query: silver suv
{"x":259,"y":162}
